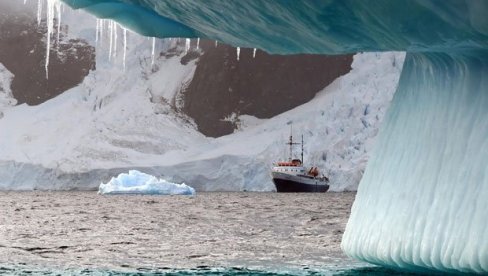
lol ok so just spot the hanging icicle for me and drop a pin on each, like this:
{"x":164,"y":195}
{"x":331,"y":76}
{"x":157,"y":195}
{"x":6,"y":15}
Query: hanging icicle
{"x":125,"y":47}
{"x":238,"y":52}
{"x":115,"y":39}
{"x":102,"y":24}
{"x":254,"y":53}
{"x":50,"y":25}
{"x":198,"y":43}
{"x":39,"y":12}
{"x":58,"y":9}
{"x":110,"y":25}
{"x":97,"y":30}
{"x":153,"y":49}
{"x":187,"y":45}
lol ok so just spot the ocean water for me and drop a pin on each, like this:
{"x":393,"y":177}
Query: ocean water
{"x":82,"y":233}
{"x":207,"y":271}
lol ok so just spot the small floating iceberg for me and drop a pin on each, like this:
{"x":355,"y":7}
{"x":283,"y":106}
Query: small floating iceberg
{"x":136,"y":182}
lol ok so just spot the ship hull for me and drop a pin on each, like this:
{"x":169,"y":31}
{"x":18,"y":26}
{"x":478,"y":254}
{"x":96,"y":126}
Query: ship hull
{"x":296,"y":184}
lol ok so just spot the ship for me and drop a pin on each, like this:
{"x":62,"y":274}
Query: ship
{"x":293,"y":177}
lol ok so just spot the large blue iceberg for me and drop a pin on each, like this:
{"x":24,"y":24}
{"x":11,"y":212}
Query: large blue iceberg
{"x":423,"y":200}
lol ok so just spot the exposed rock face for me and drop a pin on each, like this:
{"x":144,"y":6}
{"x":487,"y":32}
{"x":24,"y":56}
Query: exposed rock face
{"x":22,"y":52}
{"x":264,"y":86}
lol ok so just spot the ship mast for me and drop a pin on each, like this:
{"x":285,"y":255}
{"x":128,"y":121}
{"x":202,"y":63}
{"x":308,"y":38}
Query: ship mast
{"x":290,"y":143}
{"x":302,"y":150}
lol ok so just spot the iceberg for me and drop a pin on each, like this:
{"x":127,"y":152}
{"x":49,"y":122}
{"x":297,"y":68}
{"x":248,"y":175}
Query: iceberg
{"x":308,"y":26}
{"x":136,"y":182}
{"x":422,"y":203}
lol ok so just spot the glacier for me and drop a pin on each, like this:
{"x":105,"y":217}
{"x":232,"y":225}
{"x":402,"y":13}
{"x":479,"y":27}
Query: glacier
{"x":112,"y":130}
{"x":422,"y":203}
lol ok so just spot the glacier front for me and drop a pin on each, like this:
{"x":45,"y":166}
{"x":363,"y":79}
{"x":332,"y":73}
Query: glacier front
{"x":422,"y":203}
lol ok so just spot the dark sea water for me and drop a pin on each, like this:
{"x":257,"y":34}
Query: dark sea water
{"x":82,"y":233}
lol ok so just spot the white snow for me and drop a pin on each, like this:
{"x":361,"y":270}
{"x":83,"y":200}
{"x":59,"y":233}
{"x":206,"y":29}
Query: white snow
{"x":119,"y":119}
{"x":136,"y":182}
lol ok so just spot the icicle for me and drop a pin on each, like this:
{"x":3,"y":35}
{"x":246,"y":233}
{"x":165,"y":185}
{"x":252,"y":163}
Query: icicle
{"x":25,"y":1}
{"x":111,"y":39}
{"x":198,"y":43}
{"x":153,"y":48}
{"x":39,"y":11}
{"x":50,"y":25}
{"x":216,"y":43}
{"x":254,"y":53}
{"x":58,"y":9}
{"x":115,"y":38}
{"x":102,"y":24}
{"x":187,"y":45}
{"x":238,"y":52}
{"x":125,"y":46}
{"x":98,"y":30}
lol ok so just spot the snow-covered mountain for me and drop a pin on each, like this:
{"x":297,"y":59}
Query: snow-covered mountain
{"x":133,"y":116}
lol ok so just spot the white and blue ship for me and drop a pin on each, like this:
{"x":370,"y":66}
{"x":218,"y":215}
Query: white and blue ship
{"x":293,"y":177}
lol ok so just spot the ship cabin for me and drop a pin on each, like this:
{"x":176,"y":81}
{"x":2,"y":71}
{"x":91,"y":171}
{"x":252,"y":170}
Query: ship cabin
{"x":293,"y":167}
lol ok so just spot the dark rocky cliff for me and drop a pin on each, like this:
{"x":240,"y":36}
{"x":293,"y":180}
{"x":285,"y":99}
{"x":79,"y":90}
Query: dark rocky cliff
{"x":22,"y":52}
{"x":264,"y":86}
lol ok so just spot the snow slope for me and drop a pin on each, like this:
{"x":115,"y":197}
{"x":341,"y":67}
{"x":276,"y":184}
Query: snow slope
{"x":121,"y":118}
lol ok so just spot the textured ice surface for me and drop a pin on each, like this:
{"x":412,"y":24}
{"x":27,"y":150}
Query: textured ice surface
{"x":136,"y":182}
{"x":345,"y":26}
{"x":423,"y":200}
